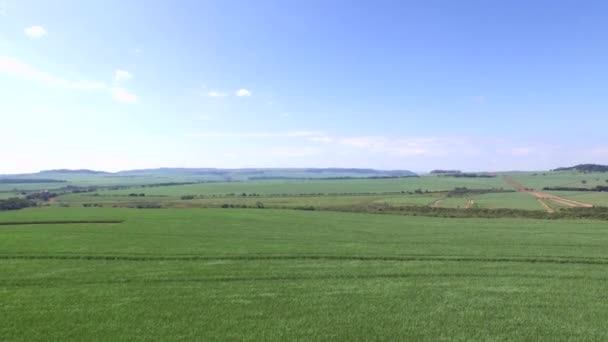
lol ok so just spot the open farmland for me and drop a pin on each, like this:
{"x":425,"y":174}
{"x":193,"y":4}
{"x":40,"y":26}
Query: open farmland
{"x":539,"y":180}
{"x":303,"y":171}
{"x":271,"y":187}
{"x":321,"y":193}
{"x":514,"y":200}
{"x":277,"y":275}
{"x":593,"y":197}
{"x":194,"y":264}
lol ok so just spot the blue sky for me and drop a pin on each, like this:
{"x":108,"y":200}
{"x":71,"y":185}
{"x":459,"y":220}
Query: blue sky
{"x":475,"y":85}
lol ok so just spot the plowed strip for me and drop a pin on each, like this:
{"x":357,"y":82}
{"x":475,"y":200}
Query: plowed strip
{"x":436,"y":203}
{"x":541,"y":196}
{"x":404,"y":258}
{"x":545,"y":205}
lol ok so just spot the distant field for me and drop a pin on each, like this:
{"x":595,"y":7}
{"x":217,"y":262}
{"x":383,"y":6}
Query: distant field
{"x":539,"y":180}
{"x":288,"y":275}
{"x":513,"y":200}
{"x":13,"y":189}
{"x":4,"y":195}
{"x":276,"y":201}
{"x":595,"y":198}
{"x":453,"y":202}
{"x":321,"y":186}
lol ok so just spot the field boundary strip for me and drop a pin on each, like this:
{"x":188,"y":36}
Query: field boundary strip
{"x":405,"y":258}
{"x":15,"y":223}
{"x":437,"y":203}
{"x":541,"y":196}
{"x":45,"y":283}
{"x":545,"y":205}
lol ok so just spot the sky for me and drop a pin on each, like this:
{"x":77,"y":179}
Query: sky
{"x":417,"y":85}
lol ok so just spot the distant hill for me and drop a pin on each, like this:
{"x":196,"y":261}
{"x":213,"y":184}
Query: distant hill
{"x":440,"y":172}
{"x":4,"y":180}
{"x":585,"y":168}
{"x":166,"y":174}
{"x":272,"y":173}
{"x":79,"y":171}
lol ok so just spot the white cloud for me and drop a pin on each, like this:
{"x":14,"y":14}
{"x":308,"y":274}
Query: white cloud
{"x":15,"y":67}
{"x":243,"y":135}
{"x":122,"y":75}
{"x":411,"y":146}
{"x":206,"y":117}
{"x":3,"y":7}
{"x":403,"y":147}
{"x":243,"y":92}
{"x":321,"y":139}
{"x":122,"y":95}
{"x":214,"y":93}
{"x":35,"y":32}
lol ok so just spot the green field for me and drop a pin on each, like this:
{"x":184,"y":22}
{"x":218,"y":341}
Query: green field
{"x":592,"y":197}
{"x":453,"y":202}
{"x":514,"y":200}
{"x":283,"y":275}
{"x":272,"y":187}
{"x":204,"y":269}
{"x":539,"y":180}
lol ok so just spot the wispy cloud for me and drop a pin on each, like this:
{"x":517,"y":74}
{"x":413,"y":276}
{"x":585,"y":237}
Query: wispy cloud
{"x":214,"y":93}
{"x":395,"y":146}
{"x":206,"y":117}
{"x":415,"y":146}
{"x":18,"y":68}
{"x":122,"y":75}
{"x":122,"y":95}
{"x":243,"y":93}
{"x":3,"y":7}
{"x":261,"y":135}
{"x":35,"y":32}
{"x":321,"y":139}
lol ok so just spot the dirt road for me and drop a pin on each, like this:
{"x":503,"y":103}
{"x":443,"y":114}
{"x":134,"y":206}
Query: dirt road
{"x":543,"y":196}
{"x":545,"y":205}
{"x":436,"y":203}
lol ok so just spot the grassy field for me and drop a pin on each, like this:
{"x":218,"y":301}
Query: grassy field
{"x":193,"y":270}
{"x":271,"y":187}
{"x":453,"y":202}
{"x":283,"y":275}
{"x":539,"y":180}
{"x":288,"y":201}
{"x":514,"y":200}
{"x":595,"y":198}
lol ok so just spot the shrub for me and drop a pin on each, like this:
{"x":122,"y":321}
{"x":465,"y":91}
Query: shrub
{"x":16,"y":203}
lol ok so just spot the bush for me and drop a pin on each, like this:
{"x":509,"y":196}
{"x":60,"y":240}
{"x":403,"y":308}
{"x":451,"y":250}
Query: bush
{"x":16,"y":203}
